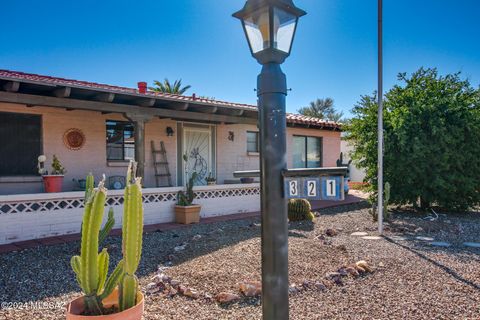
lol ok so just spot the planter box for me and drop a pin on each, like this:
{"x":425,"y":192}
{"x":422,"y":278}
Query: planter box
{"x":187,"y":214}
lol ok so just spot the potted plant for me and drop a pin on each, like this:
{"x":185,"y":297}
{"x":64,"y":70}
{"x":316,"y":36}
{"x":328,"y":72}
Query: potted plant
{"x":117,"y":296}
{"x":185,"y":211}
{"x":53,"y":181}
{"x":211,"y":180}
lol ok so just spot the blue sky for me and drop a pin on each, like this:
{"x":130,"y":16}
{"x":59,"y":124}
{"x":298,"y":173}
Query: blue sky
{"x":334,"y":55}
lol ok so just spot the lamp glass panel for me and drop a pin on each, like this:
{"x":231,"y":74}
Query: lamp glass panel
{"x":258,"y":30}
{"x":284,"y":29}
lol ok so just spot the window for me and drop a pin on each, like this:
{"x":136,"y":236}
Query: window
{"x":252,"y":141}
{"x":20,"y":143}
{"x":120,"y":140}
{"x":307,"y":152}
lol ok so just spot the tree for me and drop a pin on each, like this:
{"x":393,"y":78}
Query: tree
{"x":167,"y":87}
{"x":323,"y":109}
{"x":432,"y":130}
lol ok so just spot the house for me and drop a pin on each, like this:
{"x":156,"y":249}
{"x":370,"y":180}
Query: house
{"x":98,"y":128}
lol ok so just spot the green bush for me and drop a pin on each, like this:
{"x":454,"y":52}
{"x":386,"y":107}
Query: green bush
{"x":432,"y":130}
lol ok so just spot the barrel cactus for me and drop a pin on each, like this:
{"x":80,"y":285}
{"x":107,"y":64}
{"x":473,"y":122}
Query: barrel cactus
{"x":299,"y":209}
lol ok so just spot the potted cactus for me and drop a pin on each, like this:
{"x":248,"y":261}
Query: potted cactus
{"x":52,"y":181}
{"x":116,"y":296}
{"x":185,"y":211}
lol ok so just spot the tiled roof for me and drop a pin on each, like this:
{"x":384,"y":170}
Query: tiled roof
{"x":36,"y":78}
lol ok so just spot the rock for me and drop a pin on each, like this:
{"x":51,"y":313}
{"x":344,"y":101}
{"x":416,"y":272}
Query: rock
{"x":172,"y":292}
{"x":191,"y":293}
{"x":320,"y":286}
{"x":316,"y":214}
{"x":364,"y":265}
{"x":166,"y":279}
{"x":307,"y":284}
{"x":157,"y":279}
{"x":332,"y":275}
{"x":152,"y":287}
{"x":250,"y":289}
{"x":174,"y":283}
{"x":372,"y":238}
{"x":181,"y":288}
{"x":321,"y":237}
{"x":196,"y":237}
{"x":331,"y":232}
{"x":359,"y":234}
{"x":352,"y":271}
{"x":180,"y":247}
{"x":226,"y":297}
{"x":208,"y":296}
{"x":293,"y":289}
{"x":424,"y":238}
{"x":343,"y":272}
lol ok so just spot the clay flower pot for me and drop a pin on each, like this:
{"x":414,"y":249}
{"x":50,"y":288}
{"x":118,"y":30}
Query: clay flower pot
{"x":76,"y":308}
{"x":187,"y":214}
{"x":53,"y":183}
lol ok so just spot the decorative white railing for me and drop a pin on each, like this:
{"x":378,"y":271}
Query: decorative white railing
{"x":28,"y":203}
{"x":31,"y":216}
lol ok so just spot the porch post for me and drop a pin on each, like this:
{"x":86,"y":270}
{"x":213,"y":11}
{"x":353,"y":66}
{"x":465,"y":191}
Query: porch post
{"x":139,"y":122}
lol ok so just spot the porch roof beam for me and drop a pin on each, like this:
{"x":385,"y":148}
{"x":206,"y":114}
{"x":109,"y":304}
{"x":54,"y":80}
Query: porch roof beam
{"x":29,"y":99}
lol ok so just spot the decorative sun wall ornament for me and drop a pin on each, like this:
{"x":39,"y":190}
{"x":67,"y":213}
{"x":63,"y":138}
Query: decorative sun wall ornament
{"x":74,"y":139}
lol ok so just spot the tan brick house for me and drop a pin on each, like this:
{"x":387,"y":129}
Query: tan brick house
{"x":37,"y":111}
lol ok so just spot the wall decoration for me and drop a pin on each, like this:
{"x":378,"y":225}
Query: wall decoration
{"x":170,"y":132}
{"x":74,"y":139}
{"x":231,"y":135}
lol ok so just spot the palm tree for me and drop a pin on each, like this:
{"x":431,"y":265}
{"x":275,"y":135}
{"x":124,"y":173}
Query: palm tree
{"x":167,"y":87}
{"x":323,"y":109}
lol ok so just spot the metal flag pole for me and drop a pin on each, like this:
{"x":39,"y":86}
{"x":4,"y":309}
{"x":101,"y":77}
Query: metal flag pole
{"x":380,"y":116}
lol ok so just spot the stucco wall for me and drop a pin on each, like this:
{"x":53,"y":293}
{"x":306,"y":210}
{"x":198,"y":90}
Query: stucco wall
{"x":231,"y":155}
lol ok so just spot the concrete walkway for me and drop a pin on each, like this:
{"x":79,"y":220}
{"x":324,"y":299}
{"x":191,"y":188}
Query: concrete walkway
{"x":18,"y":246}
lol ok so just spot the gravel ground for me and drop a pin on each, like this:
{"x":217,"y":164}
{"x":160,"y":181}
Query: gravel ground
{"x":411,"y":279}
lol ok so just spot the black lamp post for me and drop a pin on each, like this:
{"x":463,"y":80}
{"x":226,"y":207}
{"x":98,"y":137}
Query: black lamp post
{"x":270,"y":27}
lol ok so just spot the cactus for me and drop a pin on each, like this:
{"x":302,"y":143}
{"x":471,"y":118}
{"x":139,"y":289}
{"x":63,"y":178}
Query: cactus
{"x":386,"y":200}
{"x":299,"y":209}
{"x":91,"y":267}
{"x":132,"y":233}
{"x":186,"y":198}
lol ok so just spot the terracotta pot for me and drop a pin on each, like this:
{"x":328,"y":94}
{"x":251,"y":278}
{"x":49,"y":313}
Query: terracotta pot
{"x":76,"y":308}
{"x":187,"y":214}
{"x":53,"y":183}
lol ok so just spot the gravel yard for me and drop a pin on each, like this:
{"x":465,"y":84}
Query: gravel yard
{"x":411,"y":279}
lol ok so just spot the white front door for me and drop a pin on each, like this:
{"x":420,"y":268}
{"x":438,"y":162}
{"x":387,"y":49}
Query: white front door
{"x":197,"y":146}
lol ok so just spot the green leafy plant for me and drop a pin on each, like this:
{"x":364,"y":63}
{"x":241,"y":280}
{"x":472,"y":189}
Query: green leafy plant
{"x":57,"y":168}
{"x":167,"y":87}
{"x":427,"y":120}
{"x":91,"y":267}
{"x":322,"y":109}
{"x":300,"y":209}
{"x":210,"y":178}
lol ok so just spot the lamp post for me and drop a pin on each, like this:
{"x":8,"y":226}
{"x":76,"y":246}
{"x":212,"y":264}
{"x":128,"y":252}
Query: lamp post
{"x":270,"y":26}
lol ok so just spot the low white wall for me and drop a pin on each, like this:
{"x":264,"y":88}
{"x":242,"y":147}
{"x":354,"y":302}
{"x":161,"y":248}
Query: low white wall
{"x":35,"y":216}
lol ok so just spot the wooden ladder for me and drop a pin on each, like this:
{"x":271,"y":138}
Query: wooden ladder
{"x":160,"y":164}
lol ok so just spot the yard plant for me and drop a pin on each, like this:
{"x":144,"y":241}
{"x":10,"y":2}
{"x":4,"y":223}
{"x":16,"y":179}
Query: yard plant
{"x":432,"y":129}
{"x":91,"y":266}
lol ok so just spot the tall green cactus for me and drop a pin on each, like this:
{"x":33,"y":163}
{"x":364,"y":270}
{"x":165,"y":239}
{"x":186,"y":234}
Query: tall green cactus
{"x":91,"y":267}
{"x":132,"y":233}
{"x":186,"y":198}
